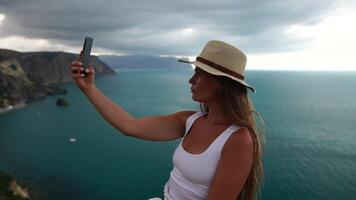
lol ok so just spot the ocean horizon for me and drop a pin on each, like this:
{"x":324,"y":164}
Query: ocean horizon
{"x":310,"y":135}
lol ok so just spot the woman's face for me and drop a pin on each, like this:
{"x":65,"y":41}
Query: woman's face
{"x":205,"y":87}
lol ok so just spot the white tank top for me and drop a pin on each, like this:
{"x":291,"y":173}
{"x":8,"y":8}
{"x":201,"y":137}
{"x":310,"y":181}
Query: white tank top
{"x":192,"y":173}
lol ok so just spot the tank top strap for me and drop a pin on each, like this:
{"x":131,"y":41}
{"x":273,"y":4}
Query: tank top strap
{"x":221,"y":140}
{"x":190,"y":120}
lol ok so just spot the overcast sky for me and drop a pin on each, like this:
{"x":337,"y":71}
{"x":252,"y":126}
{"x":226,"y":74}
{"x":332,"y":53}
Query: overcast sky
{"x":275,"y":34}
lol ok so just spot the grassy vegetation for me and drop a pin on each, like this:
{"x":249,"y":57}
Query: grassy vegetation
{"x":13,"y":68}
{"x":5,"y":192}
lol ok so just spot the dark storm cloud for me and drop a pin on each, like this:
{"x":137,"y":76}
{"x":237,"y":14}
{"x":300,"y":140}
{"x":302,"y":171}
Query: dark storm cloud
{"x":153,"y":27}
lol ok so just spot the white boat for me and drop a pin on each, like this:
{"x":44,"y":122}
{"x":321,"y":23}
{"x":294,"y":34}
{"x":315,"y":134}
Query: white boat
{"x":72,"y":140}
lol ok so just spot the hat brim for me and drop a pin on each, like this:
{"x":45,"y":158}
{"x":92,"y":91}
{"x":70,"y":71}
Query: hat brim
{"x":214,"y":71}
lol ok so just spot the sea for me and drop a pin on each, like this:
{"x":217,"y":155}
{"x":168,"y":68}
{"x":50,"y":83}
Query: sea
{"x":310,"y":131}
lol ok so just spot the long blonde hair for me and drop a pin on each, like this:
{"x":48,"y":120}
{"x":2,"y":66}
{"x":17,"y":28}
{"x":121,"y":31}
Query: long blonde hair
{"x":239,"y":108}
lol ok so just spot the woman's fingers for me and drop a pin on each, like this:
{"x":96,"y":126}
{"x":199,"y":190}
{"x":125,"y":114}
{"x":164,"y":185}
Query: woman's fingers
{"x":76,"y":69}
{"x":78,"y":75}
{"x":78,"y":66}
{"x":77,"y":63}
{"x":89,"y":70}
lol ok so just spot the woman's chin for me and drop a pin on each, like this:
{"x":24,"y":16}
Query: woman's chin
{"x":195,"y":99}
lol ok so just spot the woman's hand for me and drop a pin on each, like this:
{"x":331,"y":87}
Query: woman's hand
{"x":83,"y":82}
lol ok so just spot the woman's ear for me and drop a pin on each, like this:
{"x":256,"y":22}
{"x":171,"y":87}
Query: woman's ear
{"x":220,"y":83}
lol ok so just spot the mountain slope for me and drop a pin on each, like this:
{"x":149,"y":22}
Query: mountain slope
{"x":25,"y":77}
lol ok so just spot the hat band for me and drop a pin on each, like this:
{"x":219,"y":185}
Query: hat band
{"x":220,"y":68}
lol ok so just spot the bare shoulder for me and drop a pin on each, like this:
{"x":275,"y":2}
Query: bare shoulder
{"x":234,"y":166}
{"x":240,"y":141}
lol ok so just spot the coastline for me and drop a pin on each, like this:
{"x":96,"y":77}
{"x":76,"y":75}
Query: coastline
{"x":18,"y":190}
{"x":12,"y":107}
{"x":12,"y":189}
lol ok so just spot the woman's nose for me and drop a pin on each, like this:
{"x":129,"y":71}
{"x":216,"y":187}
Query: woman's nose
{"x":192,"y":80}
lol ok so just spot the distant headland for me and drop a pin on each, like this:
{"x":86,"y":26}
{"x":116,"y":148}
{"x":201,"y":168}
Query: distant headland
{"x":25,"y":77}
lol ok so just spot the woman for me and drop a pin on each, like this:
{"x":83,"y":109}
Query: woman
{"x":220,"y":154}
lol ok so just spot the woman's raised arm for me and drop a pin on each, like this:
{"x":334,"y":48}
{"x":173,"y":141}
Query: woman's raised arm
{"x":167,"y":127}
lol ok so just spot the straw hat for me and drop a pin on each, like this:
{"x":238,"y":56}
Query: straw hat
{"x":222,"y":59}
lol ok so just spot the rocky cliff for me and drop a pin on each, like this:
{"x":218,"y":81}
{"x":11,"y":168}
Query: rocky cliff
{"x":10,"y":189}
{"x":25,"y":77}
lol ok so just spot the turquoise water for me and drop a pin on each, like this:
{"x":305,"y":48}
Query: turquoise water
{"x":310,"y":150}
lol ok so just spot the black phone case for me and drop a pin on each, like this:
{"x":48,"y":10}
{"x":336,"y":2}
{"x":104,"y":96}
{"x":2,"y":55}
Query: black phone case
{"x":88,"y":43}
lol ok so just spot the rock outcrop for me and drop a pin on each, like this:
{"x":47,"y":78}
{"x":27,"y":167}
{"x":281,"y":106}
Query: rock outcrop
{"x":11,"y":189}
{"x":25,"y":77}
{"x":62,"y":102}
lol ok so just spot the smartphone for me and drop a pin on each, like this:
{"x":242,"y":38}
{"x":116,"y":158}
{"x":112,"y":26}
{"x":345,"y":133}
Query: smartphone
{"x":88,"y":43}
